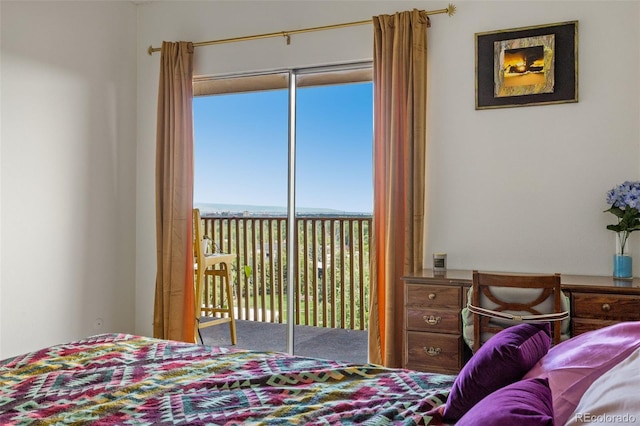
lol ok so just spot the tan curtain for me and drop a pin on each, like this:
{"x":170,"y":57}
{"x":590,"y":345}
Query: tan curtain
{"x":399,"y":81}
{"x":174,"y":316}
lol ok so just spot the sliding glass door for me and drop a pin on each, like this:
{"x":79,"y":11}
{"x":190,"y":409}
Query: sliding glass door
{"x":284,"y":180}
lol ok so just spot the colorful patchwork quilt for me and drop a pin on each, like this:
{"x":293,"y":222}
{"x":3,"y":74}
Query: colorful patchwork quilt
{"x":120,"y":379}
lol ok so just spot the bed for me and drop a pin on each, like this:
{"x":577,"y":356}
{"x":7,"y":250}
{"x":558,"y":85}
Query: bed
{"x":117,"y":379}
{"x":124,"y":379}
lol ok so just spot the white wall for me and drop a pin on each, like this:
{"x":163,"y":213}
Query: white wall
{"x":0,"y":185}
{"x":517,"y":189}
{"x":524,"y":188}
{"x":67,"y":153}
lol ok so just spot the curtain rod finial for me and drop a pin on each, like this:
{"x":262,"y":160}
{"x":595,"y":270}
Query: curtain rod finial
{"x":451,"y":9}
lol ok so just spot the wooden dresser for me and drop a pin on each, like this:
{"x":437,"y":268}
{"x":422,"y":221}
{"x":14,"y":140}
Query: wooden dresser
{"x":433,"y":326}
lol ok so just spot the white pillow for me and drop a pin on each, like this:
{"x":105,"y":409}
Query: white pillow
{"x":613,"y":398}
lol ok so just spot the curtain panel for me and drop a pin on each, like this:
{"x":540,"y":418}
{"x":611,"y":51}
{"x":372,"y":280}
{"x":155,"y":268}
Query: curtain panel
{"x":399,"y":155}
{"x":174,"y":308}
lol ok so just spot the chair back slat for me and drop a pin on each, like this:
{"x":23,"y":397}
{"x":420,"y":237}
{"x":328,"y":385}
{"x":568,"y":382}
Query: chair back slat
{"x":515,"y":294}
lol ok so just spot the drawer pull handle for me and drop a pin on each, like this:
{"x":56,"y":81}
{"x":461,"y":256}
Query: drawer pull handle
{"x":432,"y":296}
{"x":431,"y":351}
{"x":431,"y":320}
{"x":606,"y":307}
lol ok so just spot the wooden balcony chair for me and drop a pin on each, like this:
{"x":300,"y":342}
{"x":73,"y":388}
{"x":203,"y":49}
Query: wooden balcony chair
{"x":502,"y":300}
{"x":212,"y":265}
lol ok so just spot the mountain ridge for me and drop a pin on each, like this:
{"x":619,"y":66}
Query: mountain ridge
{"x":242,"y":208}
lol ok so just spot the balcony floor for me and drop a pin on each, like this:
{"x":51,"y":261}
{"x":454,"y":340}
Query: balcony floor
{"x":318,"y":342}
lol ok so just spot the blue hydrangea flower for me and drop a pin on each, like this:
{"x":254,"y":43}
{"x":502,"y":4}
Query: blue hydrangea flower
{"x":624,"y":200}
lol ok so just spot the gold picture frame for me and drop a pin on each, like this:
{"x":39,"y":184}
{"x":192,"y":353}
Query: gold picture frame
{"x":525,"y":66}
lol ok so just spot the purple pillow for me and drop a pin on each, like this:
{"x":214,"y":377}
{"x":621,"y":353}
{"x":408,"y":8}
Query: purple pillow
{"x":524,"y":403}
{"x":502,"y":360}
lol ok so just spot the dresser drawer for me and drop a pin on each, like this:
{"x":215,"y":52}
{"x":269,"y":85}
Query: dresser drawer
{"x":434,"y":320}
{"x":433,"y":352}
{"x":605,"y":306}
{"x":432,"y":296}
{"x":579,"y":326}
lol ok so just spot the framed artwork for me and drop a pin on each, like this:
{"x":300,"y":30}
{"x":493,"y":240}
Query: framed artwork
{"x":527,"y":66}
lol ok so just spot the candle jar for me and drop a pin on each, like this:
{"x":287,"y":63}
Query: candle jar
{"x":439,"y":262}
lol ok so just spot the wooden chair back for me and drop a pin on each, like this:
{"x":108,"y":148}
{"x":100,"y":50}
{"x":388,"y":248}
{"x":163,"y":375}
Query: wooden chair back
{"x":520,"y":295}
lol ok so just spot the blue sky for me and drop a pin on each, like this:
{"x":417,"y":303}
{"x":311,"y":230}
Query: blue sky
{"x":241,"y":148}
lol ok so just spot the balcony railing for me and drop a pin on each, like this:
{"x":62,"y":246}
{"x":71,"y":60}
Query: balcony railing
{"x":331,"y":279}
